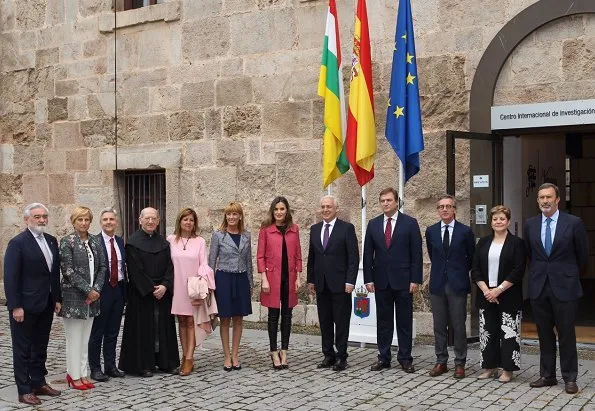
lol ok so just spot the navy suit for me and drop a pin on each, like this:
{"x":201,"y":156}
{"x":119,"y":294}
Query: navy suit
{"x":554,"y":290}
{"x":449,"y":286}
{"x":106,"y":326}
{"x":31,"y":285}
{"x":392,"y":270}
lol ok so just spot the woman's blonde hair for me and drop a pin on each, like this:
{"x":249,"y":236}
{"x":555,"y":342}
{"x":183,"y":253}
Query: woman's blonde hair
{"x":233,"y":207}
{"x":500,"y":209}
{"x":81,"y":211}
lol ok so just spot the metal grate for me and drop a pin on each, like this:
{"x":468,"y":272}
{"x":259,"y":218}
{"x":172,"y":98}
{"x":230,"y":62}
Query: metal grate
{"x":143,"y":189}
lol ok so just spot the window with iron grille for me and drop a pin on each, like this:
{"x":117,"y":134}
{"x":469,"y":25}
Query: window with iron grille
{"x":141,"y":189}
{"x":136,"y":4}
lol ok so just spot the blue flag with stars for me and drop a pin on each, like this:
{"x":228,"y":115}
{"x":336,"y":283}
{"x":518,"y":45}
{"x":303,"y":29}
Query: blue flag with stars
{"x":403,"y":117}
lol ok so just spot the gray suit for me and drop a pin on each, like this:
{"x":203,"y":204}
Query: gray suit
{"x":76,"y":277}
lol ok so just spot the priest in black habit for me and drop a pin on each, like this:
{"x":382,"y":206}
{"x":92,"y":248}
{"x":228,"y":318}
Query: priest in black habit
{"x":149,"y":339}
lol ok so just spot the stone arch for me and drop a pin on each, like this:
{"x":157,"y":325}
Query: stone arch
{"x":503,"y":44}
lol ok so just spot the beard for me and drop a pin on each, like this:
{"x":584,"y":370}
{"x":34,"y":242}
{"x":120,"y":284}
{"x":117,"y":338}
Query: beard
{"x":37,"y":229}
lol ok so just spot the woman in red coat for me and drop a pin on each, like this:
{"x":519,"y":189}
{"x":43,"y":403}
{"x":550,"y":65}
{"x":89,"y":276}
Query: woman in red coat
{"x":279,"y":259}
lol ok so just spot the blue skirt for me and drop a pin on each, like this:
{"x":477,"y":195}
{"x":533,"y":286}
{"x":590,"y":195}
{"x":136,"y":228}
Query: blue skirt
{"x":233,"y":294}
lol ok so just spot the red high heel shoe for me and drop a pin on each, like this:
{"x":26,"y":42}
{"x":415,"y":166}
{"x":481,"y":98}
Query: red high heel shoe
{"x":71,"y":383}
{"x":89,"y":385}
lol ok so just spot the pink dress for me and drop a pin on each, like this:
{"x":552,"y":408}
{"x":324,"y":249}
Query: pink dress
{"x":187,"y":263}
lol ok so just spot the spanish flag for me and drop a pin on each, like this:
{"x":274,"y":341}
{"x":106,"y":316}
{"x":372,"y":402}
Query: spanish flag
{"x":361,"y":129}
{"x":330,"y":88}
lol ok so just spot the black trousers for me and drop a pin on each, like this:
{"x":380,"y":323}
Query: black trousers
{"x":30,"y":347}
{"x":334,"y":314}
{"x":549,"y":312}
{"x":399,"y":302}
{"x":273,"y":324}
{"x":500,"y":338}
{"x":106,"y":327}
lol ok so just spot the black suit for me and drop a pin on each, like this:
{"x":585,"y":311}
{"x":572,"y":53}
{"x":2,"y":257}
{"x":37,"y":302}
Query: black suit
{"x":31,"y":285}
{"x":329,"y":269}
{"x":554,"y":290}
{"x":106,"y":326}
{"x":392,"y":270}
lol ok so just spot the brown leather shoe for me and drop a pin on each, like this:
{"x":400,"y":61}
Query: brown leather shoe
{"x":187,"y":367}
{"x":408,"y":367}
{"x":46,"y":390}
{"x":459,"y":372}
{"x":438,"y":369}
{"x":543,"y":382}
{"x":571,"y":387}
{"x":29,"y":399}
{"x":379,"y":365}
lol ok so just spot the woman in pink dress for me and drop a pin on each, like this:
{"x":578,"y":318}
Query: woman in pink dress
{"x":189,"y":255}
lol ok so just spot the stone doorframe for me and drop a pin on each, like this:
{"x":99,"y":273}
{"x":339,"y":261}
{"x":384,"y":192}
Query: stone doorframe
{"x":503,"y":44}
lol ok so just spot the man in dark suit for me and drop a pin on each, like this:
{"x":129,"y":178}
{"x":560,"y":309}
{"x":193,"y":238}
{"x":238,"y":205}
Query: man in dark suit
{"x":393,"y":270}
{"x":32,"y":288}
{"x":557,"y":248}
{"x":333,"y":262}
{"x":106,"y":326}
{"x":451,"y":245}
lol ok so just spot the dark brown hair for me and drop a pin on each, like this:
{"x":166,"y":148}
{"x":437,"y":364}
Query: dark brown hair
{"x":184,"y":213}
{"x":270,"y":220}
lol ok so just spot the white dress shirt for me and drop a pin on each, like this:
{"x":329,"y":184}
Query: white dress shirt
{"x":108,"y":247}
{"x":450,"y":227}
{"x":45,"y":248}
{"x":330,"y":229}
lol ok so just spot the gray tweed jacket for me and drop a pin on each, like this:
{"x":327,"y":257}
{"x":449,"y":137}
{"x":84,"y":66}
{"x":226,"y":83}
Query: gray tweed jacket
{"x":224,"y":255}
{"x":76,"y":278}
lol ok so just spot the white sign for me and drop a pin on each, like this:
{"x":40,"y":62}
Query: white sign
{"x":555,"y":113}
{"x":481,"y":181}
{"x":481,"y":214}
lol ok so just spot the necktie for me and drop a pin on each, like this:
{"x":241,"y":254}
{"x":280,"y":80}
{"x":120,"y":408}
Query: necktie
{"x":548,"y":237}
{"x":325,"y":236}
{"x":446,"y":239}
{"x":113,"y":277}
{"x":388,"y":232}
{"x":45,"y":250}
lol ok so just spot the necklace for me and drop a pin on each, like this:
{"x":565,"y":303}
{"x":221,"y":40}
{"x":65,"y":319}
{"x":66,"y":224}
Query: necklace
{"x":185,"y":243}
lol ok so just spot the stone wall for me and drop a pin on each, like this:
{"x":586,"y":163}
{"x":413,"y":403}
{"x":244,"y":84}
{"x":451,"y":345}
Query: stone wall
{"x":223,"y":95}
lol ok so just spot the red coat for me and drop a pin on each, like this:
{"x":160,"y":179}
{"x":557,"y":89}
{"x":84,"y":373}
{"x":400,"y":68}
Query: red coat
{"x":268,"y":257}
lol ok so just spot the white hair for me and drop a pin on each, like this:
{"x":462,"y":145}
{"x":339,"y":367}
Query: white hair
{"x":108,"y":210}
{"x":33,"y":206}
{"x":332,"y":197}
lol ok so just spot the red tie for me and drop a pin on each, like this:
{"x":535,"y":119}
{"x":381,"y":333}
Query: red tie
{"x":388,"y":232}
{"x":113,"y":277}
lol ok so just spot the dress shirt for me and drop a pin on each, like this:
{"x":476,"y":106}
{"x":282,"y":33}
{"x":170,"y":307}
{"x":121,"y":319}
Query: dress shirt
{"x":91,"y":260}
{"x":330,"y":229}
{"x":108,"y":247}
{"x":393,"y":223}
{"x":451,"y":227}
{"x":552,"y":226}
{"x":45,"y":248}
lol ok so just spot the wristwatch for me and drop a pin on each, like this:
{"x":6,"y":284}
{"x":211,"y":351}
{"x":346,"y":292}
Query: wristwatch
{"x":501,"y":287}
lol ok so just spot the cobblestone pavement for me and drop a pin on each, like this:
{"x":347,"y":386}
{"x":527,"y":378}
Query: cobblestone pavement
{"x":302,"y":387}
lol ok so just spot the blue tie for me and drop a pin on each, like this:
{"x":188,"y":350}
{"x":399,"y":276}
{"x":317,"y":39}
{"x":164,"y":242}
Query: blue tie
{"x":548,"y":236}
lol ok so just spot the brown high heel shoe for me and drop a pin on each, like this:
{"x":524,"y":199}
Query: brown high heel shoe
{"x":283,"y":357}
{"x":276,"y":360}
{"x":187,"y":367}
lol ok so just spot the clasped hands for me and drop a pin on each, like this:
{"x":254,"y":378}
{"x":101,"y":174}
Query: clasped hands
{"x":92,"y":297}
{"x":492,"y":295}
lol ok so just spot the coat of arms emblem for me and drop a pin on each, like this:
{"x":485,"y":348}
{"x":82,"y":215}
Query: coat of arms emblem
{"x":361,"y":302}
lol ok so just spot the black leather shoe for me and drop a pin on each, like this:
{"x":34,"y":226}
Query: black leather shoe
{"x":326,"y":363}
{"x":543,"y":382}
{"x":571,"y":387}
{"x":340,"y":365}
{"x":114,"y":372}
{"x":146,"y":373}
{"x":379,"y":365}
{"x":408,"y":367}
{"x":97,"y":375}
{"x":172,"y":371}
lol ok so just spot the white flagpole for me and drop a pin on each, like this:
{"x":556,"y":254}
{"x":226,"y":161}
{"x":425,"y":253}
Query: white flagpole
{"x":401,"y":186}
{"x":364,"y":217}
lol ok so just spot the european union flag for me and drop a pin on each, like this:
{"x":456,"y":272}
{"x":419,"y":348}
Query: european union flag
{"x":403,"y":117}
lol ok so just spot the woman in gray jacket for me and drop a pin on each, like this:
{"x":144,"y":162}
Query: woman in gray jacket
{"x":83,"y":266}
{"x":230,"y":257}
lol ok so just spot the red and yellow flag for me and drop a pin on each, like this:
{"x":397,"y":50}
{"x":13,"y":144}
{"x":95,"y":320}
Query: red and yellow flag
{"x":361,"y":129}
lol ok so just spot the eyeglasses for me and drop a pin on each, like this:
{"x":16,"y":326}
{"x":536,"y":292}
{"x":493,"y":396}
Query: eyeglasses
{"x":444,"y":207}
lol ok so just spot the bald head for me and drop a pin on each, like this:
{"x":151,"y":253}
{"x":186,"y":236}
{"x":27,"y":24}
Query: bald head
{"x":149,"y":220}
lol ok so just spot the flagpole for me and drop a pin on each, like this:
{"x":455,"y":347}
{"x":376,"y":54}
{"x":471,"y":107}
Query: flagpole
{"x":401,"y":186}
{"x":364,"y":216}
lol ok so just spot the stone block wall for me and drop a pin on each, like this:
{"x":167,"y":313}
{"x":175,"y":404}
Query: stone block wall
{"x":222,"y":94}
